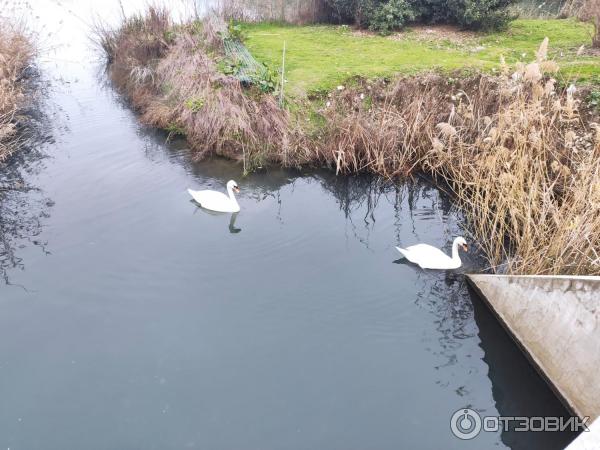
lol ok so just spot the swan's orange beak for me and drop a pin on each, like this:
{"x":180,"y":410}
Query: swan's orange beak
{"x":465,"y":247}
{"x":236,"y":189}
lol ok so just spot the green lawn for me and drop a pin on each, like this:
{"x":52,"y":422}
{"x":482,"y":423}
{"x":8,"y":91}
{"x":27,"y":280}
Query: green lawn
{"x":322,"y":56}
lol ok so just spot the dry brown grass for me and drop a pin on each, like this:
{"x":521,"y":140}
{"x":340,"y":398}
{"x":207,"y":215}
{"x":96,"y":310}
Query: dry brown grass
{"x":16,"y":52}
{"x":522,"y":161}
{"x":173,"y":80}
{"x":519,"y":154}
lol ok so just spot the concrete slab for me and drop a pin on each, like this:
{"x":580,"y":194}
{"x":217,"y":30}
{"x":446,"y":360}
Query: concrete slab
{"x":556,"y":321}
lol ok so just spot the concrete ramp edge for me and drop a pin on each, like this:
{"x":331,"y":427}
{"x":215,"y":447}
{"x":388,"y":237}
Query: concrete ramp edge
{"x":556,"y":322}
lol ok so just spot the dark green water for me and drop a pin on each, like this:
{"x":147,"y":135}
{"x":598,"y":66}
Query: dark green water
{"x":135,"y":320}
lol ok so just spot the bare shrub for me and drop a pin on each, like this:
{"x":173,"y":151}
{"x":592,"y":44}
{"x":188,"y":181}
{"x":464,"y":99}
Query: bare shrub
{"x":590,"y":12}
{"x":587,"y":11}
{"x":570,"y":8}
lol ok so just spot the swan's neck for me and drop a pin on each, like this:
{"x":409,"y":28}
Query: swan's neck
{"x":455,"y":255}
{"x":232,"y":196}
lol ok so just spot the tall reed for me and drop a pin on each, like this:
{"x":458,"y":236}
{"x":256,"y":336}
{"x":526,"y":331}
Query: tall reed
{"x":16,"y":53}
{"x":521,"y":159}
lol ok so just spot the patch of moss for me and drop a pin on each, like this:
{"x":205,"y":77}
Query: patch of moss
{"x":194,"y":104}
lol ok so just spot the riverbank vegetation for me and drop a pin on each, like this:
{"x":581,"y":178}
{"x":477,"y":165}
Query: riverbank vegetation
{"x":16,"y":53}
{"x":518,"y":146}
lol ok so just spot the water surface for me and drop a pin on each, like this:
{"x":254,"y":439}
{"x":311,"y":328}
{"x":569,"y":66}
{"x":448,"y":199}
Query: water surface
{"x":133,"y":319}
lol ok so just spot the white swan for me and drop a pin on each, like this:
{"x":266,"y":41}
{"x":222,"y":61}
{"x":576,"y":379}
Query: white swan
{"x":217,"y":201}
{"x":429,"y":257}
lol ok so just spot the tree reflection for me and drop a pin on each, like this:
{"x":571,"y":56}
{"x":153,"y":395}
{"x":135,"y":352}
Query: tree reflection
{"x":23,"y":206}
{"x":22,"y":209}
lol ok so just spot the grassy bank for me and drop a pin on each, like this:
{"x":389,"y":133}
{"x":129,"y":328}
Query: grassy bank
{"x":520,"y":152}
{"x":16,"y":51}
{"x":321,"y":57}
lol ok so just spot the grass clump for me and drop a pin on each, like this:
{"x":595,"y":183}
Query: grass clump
{"x":16,"y":54}
{"x":593,"y":99}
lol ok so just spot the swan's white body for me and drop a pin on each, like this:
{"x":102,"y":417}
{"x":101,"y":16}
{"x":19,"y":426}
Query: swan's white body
{"x":428,"y":257}
{"x":217,"y":201}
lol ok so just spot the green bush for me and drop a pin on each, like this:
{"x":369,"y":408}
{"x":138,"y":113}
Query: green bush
{"x":390,"y":16}
{"x":593,"y":99}
{"x":479,"y":14}
{"x":385,"y":16}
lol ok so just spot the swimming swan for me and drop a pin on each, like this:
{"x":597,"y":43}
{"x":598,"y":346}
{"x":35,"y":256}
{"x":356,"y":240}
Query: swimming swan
{"x":429,"y":257}
{"x":217,"y":201}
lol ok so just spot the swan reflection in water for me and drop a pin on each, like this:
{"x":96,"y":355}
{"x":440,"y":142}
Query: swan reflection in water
{"x":232,"y":228}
